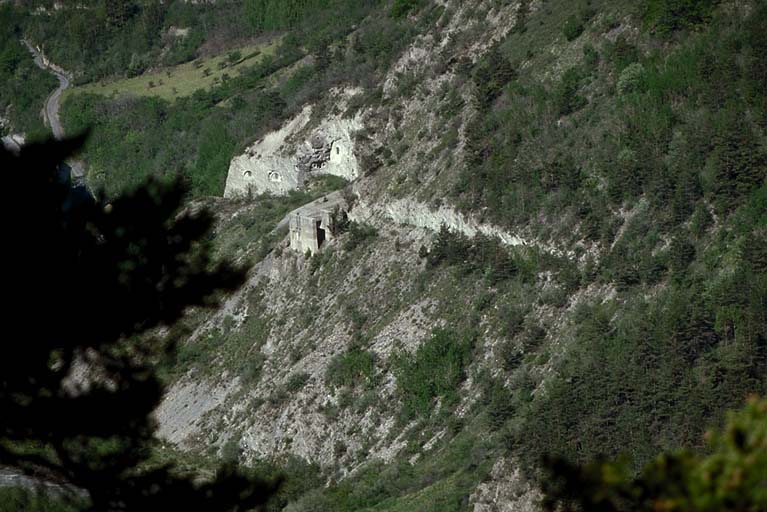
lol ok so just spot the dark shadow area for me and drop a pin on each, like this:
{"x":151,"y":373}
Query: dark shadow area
{"x":320,"y":234}
{"x":94,"y":294}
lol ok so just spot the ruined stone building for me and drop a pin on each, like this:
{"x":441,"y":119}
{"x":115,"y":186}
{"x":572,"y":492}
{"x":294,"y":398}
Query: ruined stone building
{"x":284,"y":159}
{"x":310,"y":231}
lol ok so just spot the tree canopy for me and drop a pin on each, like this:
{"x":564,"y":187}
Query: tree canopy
{"x":95,"y":292}
{"x":732,"y":476}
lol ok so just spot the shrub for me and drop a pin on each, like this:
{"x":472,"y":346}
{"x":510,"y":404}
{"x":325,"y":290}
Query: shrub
{"x":510,"y":355}
{"x":533,"y":336}
{"x":671,"y":15}
{"x":572,"y":28}
{"x":621,"y":53}
{"x":566,"y":97}
{"x":493,"y":73}
{"x":251,"y":373}
{"x":296,"y":382}
{"x":402,"y":8}
{"x":478,"y":254}
{"x":590,"y":56}
{"x":513,"y":320}
{"x":360,"y":234}
{"x":630,"y":78}
{"x":435,"y":370}
{"x":500,"y":407}
{"x":339,"y":220}
{"x":230,"y":452}
{"x":682,"y":253}
{"x":351,"y":368}
{"x":234,"y":57}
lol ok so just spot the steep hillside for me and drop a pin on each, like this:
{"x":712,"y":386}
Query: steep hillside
{"x":541,"y":229}
{"x":24,"y":86}
{"x":596,"y":287}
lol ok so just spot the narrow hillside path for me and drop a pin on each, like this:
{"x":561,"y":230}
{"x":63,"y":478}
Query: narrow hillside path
{"x":53,"y":103}
{"x":420,"y":215}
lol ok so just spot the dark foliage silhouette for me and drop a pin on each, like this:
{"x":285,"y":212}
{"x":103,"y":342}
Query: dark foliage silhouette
{"x":94,"y":294}
{"x":729,"y":476}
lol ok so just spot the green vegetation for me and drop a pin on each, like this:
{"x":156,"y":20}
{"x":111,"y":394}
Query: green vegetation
{"x":183,"y":79}
{"x":640,"y":158}
{"x":103,"y":39}
{"x":359,"y":235}
{"x":434,"y":371}
{"x":272,"y":15}
{"x":236,"y":348}
{"x":576,"y":23}
{"x":25,"y":87}
{"x":516,"y":186}
{"x":352,"y":368}
{"x":435,"y":484}
{"x":483,"y":255}
{"x":672,"y":15}
{"x":158,"y":138}
{"x":13,"y":499}
{"x":671,"y":363}
{"x":677,"y":138}
{"x":572,"y":28}
{"x":141,"y":132}
{"x":729,"y":477}
{"x":401,"y":8}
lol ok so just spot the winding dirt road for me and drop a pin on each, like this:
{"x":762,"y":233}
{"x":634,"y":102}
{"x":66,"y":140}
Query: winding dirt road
{"x":10,"y":477}
{"x":53,"y":104}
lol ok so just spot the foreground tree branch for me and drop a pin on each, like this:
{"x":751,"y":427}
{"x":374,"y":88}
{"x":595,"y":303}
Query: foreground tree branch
{"x":88,"y":287}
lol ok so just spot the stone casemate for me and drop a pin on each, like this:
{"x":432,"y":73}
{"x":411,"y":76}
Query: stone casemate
{"x":310,"y":231}
{"x":282,"y":160}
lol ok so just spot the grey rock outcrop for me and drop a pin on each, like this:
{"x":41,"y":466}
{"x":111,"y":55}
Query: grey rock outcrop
{"x":13,"y":143}
{"x":283,"y":159}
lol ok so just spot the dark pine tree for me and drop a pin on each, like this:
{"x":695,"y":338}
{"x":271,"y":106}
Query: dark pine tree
{"x":93,"y":292}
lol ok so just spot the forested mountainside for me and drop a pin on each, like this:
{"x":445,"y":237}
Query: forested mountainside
{"x":555,"y":240}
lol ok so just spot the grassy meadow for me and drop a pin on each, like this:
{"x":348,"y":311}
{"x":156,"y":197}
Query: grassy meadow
{"x":184,"y":79}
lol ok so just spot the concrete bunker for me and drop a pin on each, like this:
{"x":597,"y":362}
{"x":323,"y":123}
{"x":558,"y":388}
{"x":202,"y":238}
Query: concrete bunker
{"x":310,"y":231}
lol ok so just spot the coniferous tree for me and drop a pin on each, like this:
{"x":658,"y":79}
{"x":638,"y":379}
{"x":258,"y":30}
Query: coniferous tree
{"x":730,"y":477}
{"x":740,"y":164}
{"x":118,"y":12}
{"x":97,"y":292}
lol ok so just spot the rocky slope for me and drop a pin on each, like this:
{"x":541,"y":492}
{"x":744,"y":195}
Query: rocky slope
{"x":312,"y":358}
{"x":296,"y":317}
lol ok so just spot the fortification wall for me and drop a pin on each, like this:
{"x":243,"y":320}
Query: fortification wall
{"x":282,"y":160}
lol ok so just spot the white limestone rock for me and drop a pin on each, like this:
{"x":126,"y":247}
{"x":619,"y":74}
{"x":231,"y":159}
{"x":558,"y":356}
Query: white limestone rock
{"x":278,"y":164}
{"x":506,"y":490}
{"x":185,"y":405}
{"x":13,"y":142}
{"x":265,"y":166}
